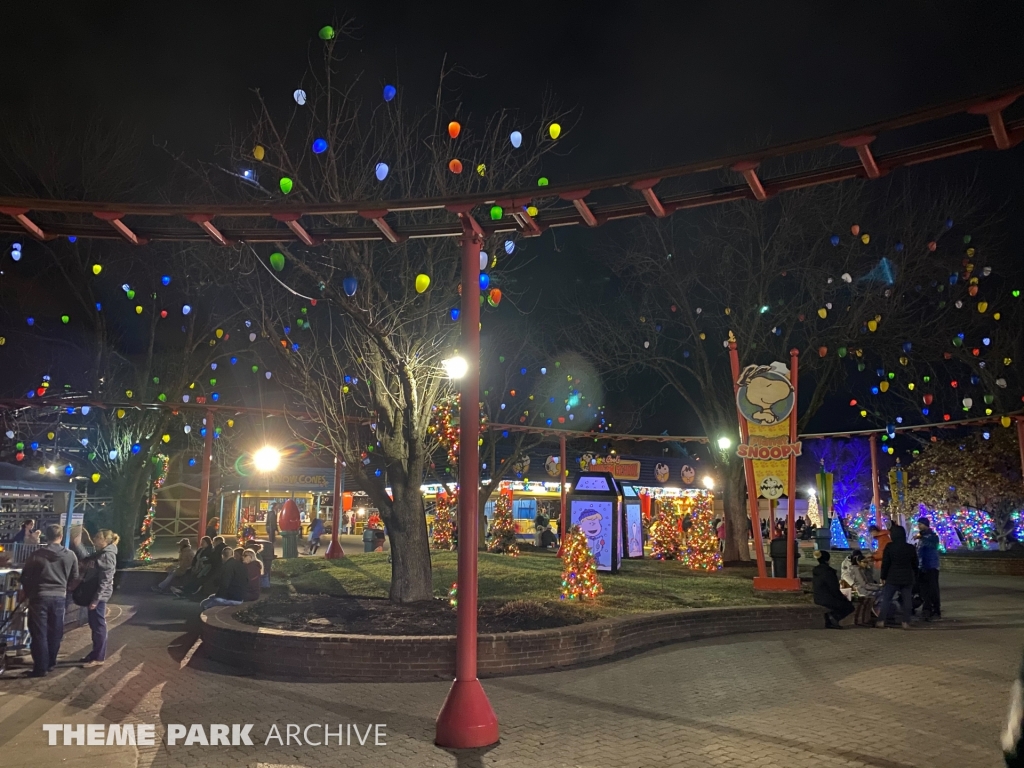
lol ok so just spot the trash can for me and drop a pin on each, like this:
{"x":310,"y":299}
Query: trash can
{"x":369,"y":538}
{"x":777,"y":550}
{"x":290,"y":543}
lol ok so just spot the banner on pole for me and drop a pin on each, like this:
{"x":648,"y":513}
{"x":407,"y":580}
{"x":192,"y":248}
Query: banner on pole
{"x":764,"y":397}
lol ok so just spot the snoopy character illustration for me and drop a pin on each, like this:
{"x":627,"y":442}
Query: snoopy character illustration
{"x":763,"y":386}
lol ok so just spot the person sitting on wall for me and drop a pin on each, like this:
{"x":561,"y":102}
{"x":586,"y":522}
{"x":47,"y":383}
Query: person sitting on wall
{"x":232,"y":584}
{"x":827,"y":593}
{"x":178,"y":574}
{"x":254,"y":569}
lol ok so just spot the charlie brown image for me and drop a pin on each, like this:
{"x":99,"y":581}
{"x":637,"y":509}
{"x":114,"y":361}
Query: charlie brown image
{"x":590,"y":524}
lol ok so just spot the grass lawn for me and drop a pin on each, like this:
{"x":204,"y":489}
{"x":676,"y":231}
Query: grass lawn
{"x":640,"y":586}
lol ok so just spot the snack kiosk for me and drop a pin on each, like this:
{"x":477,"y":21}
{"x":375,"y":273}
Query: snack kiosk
{"x":595,"y":505}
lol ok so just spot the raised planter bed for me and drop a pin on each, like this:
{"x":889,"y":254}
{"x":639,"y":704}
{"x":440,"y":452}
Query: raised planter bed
{"x":338,"y":658}
{"x":984,"y":563}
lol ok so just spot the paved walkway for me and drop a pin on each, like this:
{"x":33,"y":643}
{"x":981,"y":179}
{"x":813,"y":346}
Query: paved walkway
{"x":931,"y":697}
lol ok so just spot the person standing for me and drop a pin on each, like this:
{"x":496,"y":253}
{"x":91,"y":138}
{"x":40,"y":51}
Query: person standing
{"x":928,"y":554}
{"x":882,"y":539}
{"x":44,"y":580}
{"x":899,"y":569}
{"x":316,"y":530}
{"x":104,"y":561}
{"x":272,"y":524}
{"x":26,"y":527}
{"x":540,"y":522}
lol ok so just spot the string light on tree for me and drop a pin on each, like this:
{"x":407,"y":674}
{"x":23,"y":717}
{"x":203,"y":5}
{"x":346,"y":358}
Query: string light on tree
{"x":503,"y":529}
{"x":579,"y":571}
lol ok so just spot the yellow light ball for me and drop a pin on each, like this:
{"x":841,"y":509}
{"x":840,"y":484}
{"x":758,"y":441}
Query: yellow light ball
{"x":120,"y":413}
{"x":95,"y":476}
{"x":532,"y":210}
{"x":422,"y":283}
{"x":1005,"y":421}
{"x":822,"y":313}
{"x":97,"y":268}
{"x":554,"y":130}
{"x":865,"y":238}
{"x":259,"y":152}
{"x":166,"y":438}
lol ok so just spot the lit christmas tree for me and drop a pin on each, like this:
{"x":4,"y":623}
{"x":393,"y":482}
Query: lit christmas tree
{"x":813,"y":513}
{"x":579,"y":572}
{"x":146,"y":534}
{"x":665,"y":536}
{"x":503,"y":529}
{"x":443,"y":536}
{"x":702,"y":542}
{"x":838,"y":539}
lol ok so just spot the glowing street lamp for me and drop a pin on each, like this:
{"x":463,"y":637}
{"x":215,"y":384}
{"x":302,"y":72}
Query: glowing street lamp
{"x":456,"y":367}
{"x":709,"y":482}
{"x":267,"y":459}
{"x":724,"y":443}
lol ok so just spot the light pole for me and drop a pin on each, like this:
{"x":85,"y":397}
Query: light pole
{"x":204,"y":486}
{"x":467,"y":720}
{"x":334,"y":550}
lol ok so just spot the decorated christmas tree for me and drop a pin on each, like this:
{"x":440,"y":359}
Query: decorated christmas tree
{"x":579,"y":571}
{"x":443,"y":532}
{"x":503,"y":529}
{"x":160,"y":466}
{"x":665,"y":535}
{"x":813,"y":513}
{"x":838,"y":539}
{"x":702,"y":542}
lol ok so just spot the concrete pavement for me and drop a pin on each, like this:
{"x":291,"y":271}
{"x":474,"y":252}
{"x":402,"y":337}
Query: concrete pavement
{"x":933,"y":696}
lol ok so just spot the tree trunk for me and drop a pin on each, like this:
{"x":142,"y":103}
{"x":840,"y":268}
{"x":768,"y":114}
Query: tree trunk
{"x":734,"y":499}
{"x":126,"y":501}
{"x":411,"y":579}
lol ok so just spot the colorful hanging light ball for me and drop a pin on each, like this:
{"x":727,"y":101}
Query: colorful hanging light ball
{"x":277,"y":261}
{"x":509,"y":247}
{"x":496,"y":213}
{"x":516,"y":138}
{"x":834,"y":239}
{"x":390,"y":92}
{"x":381,"y":171}
{"x":422,"y":283}
{"x":286,"y":184}
{"x":326,"y":33}
{"x":349,"y":285}
{"x":554,"y":130}
{"x":454,"y":129}
{"x":319,"y":146}
{"x":455,"y":165}
{"x":300,"y":96}
{"x":485,"y":281}
{"x":97,"y":268}
{"x":259,"y":152}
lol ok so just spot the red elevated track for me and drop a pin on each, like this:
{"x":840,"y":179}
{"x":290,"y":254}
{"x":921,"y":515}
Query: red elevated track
{"x":622,"y":197}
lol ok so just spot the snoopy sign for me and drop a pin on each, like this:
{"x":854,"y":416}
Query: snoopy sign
{"x":765,"y":398}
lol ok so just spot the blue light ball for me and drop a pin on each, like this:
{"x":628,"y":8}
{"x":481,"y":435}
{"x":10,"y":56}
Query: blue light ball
{"x":390,"y":92}
{"x":834,"y":239}
{"x":319,"y":146}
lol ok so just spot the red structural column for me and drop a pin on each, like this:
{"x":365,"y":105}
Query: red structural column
{"x":563,"y":470}
{"x":204,"y":489}
{"x":794,"y":364}
{"x":876,"y":498}
{"x":466,"y":720}
{"x":748,"y":471}
{"x":334,"y":550}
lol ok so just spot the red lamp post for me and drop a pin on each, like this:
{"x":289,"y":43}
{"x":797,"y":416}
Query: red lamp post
{"x":204,"y":489}
{"x":466,"y":720}
{"x":334,"y":550}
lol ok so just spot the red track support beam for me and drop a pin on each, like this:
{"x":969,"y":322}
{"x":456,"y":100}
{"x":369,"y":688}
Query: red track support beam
{"x":204,"y":489}
{"x":876,"y":497}
{"x":526,"y":223}
{"x":291,"y":220}
{"x":993,"y":110}
{"x":646,"y":188}
{"x":114,"y":220}
{"x":577,"y":199}
{"x":747,"y":168}
{"x":794,"y":367}
{"x":377,"y":217}
{"x":20,"y":215}
{"x":861,"y":144}
{"x":204,"y":221}
{"x":562,"y":473}
{"x":466,"y":720}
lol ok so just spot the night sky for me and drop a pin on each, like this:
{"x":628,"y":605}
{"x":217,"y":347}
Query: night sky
{"x":651,"y":83}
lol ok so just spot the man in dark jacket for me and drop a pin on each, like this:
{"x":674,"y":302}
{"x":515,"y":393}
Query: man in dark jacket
{"x":45,"y":580}
{"x":928,"y":553}
{"x":233,"y":582}
{"x":899,"y":569}
{"x":272,"y":524}
{"x":827,"y":593}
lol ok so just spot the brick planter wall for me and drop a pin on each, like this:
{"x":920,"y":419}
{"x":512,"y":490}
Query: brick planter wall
{"x":982,"y":565}
{"x":338,"y":658}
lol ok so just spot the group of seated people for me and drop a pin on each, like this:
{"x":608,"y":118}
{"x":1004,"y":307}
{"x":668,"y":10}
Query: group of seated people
{"x":228,"y":575}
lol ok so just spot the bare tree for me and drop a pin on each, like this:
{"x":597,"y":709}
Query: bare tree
{"x":856,"y":277}
{"x":364,"y":361}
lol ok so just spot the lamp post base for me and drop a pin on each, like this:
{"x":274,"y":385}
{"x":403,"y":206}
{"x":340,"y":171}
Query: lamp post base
{"x":770,"y":584}
{"x":466,"y":720}
{"x":334,"y":551}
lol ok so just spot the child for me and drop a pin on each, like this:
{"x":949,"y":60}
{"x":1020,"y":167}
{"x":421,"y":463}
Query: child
{"x":254,"y":569}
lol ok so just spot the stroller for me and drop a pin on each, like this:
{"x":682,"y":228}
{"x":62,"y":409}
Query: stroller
{"x":15,"y":640}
